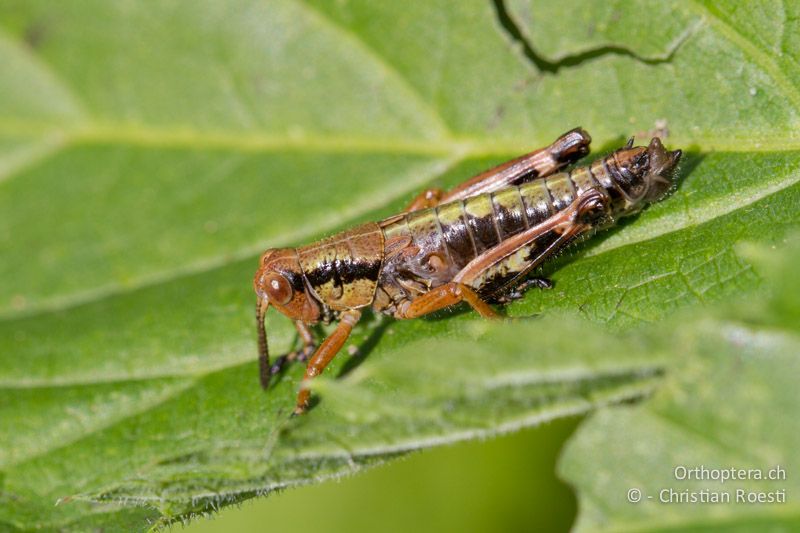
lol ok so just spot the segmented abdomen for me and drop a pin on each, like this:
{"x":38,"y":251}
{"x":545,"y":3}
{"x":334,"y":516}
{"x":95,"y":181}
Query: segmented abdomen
{"x":431,"y":246}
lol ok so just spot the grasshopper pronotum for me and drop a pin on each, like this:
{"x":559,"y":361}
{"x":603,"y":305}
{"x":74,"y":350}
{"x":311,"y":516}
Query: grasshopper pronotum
{"x":476,"y":243}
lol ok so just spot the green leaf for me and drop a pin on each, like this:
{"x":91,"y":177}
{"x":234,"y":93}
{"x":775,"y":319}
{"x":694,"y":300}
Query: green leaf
{"x":149,"y":152}
{"x":726,"y":409}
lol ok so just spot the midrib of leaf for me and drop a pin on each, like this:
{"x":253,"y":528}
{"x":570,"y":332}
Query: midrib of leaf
{"x":141,"y":135}
{"x":653,"y":229}
{"x":498,"y":380}
{"x":94,"y":131}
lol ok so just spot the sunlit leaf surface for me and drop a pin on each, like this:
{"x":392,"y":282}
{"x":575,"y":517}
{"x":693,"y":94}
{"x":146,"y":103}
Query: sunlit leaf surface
{"x":149,"y":151}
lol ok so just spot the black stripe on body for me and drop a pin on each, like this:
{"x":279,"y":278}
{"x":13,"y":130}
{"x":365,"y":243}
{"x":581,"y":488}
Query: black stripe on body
{"x":294,"y":279}
{"x":338,"y":266}
{"x":343,"y":271}
{"x":321,"y":274}
{"x":352,"y":269}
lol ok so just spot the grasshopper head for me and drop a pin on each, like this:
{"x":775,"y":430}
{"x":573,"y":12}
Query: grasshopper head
{"x":644,"y":174}
{"x":279,"y":282}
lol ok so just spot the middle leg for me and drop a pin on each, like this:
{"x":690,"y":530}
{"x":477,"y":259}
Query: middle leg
{"x":301,"y":354}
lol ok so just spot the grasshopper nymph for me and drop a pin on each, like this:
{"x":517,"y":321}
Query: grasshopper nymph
{"x":476,"y":243}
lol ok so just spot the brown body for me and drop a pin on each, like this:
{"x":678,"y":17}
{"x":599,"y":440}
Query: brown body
{"x":478,"y":243}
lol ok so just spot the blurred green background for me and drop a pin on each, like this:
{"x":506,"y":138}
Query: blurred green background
{"x":503,"y":484}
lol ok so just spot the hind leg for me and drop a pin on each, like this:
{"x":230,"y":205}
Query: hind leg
{"x":445,"y":296}
{"x":540,"y":163}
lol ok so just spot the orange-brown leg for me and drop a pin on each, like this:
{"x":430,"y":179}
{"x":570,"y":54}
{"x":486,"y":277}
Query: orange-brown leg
{"x":445,"y":296}
{"x":325,"y":354}
{"x":540,"y":163}
{"x":565,"y":150}
{"x":309,"y":343}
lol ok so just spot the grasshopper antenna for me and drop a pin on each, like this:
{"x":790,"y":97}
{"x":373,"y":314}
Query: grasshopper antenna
{"x":263,"y":347}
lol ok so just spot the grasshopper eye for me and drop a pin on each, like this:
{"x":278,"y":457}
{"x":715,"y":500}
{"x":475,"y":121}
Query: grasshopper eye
{"x":278,"y":289}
